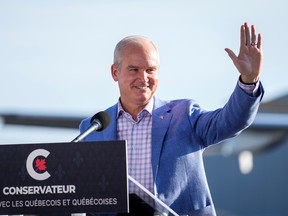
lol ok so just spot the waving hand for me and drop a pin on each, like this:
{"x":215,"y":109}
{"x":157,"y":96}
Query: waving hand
{"x":249,"y":60}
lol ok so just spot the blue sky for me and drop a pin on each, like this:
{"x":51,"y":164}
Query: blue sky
{"x":56,"y":55}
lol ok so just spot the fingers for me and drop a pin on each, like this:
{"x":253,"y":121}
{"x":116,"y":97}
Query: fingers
{"x":242,"y":36}
{"x":259,"y":43}
{"x":253,"y":35}
{"x":249,"y":37}
{"x":247,"y":34}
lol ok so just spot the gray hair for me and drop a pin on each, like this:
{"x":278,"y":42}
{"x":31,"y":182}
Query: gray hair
{"x":134,"y":39}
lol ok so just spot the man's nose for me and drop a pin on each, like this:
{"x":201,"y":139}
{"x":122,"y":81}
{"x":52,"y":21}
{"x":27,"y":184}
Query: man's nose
{"x":144,"y":75}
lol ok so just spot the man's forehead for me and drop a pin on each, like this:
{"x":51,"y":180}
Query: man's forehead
{"x":138,"y":66}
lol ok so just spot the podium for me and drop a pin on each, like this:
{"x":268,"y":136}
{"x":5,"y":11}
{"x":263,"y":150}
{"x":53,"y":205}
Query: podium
{"x":72,"y":178}
{"x":49,"y":178}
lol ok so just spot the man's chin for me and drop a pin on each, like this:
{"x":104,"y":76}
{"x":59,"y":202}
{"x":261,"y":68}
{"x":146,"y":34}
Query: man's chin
{"x":144,"y":99}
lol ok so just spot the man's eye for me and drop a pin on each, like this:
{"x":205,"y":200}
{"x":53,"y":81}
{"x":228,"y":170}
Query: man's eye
{"x":150,"y":70}
{"x":133,"y":69}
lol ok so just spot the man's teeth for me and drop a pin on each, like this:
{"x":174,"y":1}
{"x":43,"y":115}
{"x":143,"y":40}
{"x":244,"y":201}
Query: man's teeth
{"x":142,"y":87}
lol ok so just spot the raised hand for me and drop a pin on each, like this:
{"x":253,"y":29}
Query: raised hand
{"x":250,"y":57}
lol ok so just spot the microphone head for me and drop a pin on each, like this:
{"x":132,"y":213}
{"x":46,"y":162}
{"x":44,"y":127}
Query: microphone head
{"x":103,"y":117}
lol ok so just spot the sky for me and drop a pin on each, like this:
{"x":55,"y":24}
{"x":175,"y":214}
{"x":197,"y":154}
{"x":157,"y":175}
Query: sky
{"x":55,"y":56}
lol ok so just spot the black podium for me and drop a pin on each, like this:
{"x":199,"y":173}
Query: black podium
{"x":49,"y":178}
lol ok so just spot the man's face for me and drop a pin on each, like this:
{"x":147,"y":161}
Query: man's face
{"x":137,"y":74}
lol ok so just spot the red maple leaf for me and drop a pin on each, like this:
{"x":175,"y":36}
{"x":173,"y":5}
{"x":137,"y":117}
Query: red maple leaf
{"x":40,"y":164}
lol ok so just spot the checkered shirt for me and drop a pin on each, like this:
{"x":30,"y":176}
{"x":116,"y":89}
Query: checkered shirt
{"x":251,"y":89}
{"x":138,"y":136}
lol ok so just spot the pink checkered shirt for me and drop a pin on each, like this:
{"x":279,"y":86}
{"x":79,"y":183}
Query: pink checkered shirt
{"x":251,"y":89}
{"x":138,"y":136}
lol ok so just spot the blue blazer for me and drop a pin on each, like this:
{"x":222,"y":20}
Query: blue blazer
{"x":181,"y":130}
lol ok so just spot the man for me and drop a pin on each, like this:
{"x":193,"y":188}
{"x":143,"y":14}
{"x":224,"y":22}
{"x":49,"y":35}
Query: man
{"x":166,"y":139}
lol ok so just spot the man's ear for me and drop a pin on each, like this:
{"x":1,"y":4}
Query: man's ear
{"x":114,"y":72}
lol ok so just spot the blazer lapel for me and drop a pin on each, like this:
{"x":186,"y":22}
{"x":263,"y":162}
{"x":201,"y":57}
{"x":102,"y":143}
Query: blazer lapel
{"x":161,"y":121}
{"x":110,"y":133}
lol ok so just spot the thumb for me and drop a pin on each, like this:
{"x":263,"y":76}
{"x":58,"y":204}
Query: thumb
{"x":231,"y":54}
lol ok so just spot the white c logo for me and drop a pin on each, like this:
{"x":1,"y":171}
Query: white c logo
{"x":29,"y":164}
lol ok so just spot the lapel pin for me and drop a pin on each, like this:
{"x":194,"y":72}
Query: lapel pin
{"x":161,"y":117}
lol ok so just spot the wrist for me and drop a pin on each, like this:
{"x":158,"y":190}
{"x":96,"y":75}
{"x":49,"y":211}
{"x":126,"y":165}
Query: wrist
{"x":248,"y":80}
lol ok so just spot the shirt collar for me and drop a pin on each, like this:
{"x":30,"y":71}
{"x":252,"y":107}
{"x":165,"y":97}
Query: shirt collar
{"x":148,"y":107}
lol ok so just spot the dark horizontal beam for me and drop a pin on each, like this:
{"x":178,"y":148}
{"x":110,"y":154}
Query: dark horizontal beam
{"x":39,"y":120}
{"x":270,"y":121}
{"x":263,"y":121}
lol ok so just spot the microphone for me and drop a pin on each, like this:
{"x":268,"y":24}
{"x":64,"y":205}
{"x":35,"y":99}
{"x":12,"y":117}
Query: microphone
{"x":98,"y":122}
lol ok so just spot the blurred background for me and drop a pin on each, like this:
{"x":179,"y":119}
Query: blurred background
{"x":55,"y":59}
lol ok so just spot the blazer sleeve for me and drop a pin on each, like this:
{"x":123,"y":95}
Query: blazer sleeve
{"x":236,"y":115}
